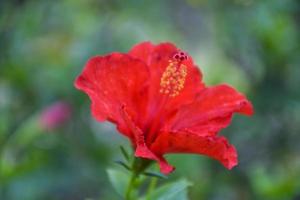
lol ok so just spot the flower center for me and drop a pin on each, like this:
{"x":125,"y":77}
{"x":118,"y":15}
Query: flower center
{"x":173,"y":79}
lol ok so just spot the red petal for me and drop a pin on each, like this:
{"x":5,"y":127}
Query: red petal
{"x":111,"y":82}
{"x":142,"y":149}
{"x":161,"y":106}
{"x":164,"y":166}
{"x":142,"y":51}
{"x":157,"y":58}
{"x":184,"y":142}
{"x":211,"y":111}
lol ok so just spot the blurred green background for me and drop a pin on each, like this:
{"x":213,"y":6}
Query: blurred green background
{"x":253,"y":45}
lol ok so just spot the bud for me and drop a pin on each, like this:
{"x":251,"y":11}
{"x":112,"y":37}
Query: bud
{"x":55,"y":115}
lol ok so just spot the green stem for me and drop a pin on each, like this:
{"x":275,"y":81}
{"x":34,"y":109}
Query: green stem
{"x":151,"y":187}
{"x":139,"y":165}
{"x":130,"y":186}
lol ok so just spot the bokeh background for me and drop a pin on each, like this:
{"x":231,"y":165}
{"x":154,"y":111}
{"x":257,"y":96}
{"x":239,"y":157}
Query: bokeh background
{"x":51,"y":148}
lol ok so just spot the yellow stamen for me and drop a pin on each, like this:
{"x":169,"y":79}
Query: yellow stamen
{"x":173,"y":79}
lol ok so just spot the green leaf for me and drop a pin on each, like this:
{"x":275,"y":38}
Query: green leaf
{"x":119,"y":180}
{"x":123,"y":164}
{"x":172,"y":191}
{"x":125,"y":153}
{"x":155,"y":174}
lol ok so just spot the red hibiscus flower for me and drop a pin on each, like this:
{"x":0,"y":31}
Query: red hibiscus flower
{"x":156,"y":97}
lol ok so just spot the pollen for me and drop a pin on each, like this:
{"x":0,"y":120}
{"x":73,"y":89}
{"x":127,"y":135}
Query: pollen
{"x":173,"y":79}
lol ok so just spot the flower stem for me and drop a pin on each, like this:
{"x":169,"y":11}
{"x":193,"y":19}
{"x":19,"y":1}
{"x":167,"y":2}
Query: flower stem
{"x":130,"y":186}
{"x":151,"y":187}
{"x":139,"y":165}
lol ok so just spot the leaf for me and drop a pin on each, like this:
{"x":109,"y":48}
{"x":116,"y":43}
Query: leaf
{"x":123,"y":164}
{"x":172,"y":191}
{"x":155,"y":174}
{"x":119,"y":180}
{"x":125,"y":153}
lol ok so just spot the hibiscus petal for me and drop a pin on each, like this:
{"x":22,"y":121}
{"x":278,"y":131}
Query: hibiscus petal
{"x":164,"y":166}
{"x":142,"y":51}
{"x":157,"y":57}
{"x":113,"y":81}
{"x":211,"y":111}
{"x":142,"y":149}
{"x":185,"y":142}
{"x":161,"y":106}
